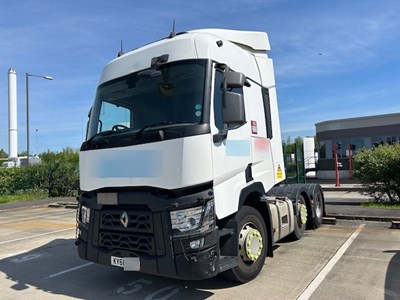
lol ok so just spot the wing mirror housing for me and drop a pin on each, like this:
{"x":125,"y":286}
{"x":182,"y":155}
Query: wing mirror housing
{"x":233,"y":109}
{"x":234,"y":80}
{"x":233,"y":103}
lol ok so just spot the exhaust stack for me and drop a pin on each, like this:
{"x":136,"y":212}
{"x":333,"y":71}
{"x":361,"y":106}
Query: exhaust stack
{"x":12,"y":114}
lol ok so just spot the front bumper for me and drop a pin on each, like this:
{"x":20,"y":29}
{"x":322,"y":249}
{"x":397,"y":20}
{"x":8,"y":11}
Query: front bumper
{"x":196,"y":265}
{"x":147,"y":237}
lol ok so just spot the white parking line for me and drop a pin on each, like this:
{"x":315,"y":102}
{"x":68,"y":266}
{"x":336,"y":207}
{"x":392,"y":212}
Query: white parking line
{"x":70,"y":270}
{"x":36,"y":235}
{"x":47,"y":215}
{"x":306,"y":294}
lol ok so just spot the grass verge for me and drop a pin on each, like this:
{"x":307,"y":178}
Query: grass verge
{"x":372,"y":204}
{"x":23,"y":197}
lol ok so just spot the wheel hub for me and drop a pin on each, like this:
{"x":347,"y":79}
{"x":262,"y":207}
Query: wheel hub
{"x":318,"y":206}
{"x":303,"y":213}
{"x":250,"y":243}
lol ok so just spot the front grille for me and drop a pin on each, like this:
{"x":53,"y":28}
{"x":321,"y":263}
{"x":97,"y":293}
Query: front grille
{"x":137,"y":221}
{"x":127,"y":241}
{"x":137,"y":236}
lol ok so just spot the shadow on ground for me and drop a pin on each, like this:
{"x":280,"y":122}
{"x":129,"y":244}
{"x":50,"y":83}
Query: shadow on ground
{"x":392,"y":281}
{"x":50,"y":268}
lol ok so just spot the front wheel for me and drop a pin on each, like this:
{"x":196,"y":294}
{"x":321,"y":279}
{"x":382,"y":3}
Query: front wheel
{"x":252,"y":245}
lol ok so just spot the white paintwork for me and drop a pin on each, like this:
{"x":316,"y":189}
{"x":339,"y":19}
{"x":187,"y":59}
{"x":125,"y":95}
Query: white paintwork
{"x":12,"y":114}
{"x":168,"y":164}
{"x":265,"y":155}
{"x":256,"y":40}
{"x":179,"y":48}
{"x":194,"y":160}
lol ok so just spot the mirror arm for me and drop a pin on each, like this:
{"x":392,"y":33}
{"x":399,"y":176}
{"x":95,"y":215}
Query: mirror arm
{"x":220,"y":136}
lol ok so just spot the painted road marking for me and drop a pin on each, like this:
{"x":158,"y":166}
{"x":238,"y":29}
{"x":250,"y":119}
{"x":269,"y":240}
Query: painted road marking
{"x":70,"y":270}
{"x":26,"y":258}
{"x":36,"y":217}
{"x":12,"y":254}
{"x":36,"y":235}
{"x":306,"y":294}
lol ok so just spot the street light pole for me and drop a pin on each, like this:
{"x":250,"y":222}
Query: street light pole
{"x":37,"y":142}
{"x":27,"y":75}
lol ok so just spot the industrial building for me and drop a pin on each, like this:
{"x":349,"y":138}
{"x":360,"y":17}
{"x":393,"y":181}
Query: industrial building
{"x":351,"y":135}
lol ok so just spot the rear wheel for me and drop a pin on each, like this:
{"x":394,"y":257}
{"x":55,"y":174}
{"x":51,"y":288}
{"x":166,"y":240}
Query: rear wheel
{"x":318,"y":208}
{"x":252,"y":245}
{"x":300,"y":221}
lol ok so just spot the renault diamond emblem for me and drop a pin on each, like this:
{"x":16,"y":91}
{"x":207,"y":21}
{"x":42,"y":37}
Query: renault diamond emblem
{"x":124,"y":219}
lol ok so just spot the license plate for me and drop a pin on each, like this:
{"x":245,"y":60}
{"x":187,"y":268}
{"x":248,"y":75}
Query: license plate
{"x":117,"y":261}
{"x":128,"y":263}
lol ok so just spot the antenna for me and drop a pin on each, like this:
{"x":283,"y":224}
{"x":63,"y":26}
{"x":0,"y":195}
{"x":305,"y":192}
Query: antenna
{"x":121,"y":52}
{"x":172,"y":34}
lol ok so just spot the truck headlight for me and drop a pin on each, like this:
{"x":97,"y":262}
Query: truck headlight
{"x":193,"y":220}
{"x":84,"y":214}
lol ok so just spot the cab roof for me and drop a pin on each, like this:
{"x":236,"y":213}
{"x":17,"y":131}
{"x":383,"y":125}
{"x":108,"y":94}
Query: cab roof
{"x":255,"y":40}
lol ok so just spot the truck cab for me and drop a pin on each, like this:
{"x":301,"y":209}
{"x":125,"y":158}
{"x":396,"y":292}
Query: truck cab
{"x":182,"y":154}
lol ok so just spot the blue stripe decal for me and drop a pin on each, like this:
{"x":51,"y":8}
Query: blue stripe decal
{"x":130,"y":164}
{"x":237,"y":148}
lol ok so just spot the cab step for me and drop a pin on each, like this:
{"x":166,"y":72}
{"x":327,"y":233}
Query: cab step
{"x":226,"y":231}
{"x":227,"y":262}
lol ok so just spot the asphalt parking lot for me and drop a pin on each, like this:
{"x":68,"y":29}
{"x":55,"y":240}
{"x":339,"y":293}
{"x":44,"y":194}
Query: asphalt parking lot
{"x":349,"y":260}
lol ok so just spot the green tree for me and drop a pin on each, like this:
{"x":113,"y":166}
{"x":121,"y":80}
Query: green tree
{"x":378,"y":169}
{"x":60,"y":172}
{"x":3,"y":154}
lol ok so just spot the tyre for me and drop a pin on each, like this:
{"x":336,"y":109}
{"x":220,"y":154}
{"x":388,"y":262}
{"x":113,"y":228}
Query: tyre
{"x":318,"y":208}
{"x":252,"y":245}
{"x":300,"y":221}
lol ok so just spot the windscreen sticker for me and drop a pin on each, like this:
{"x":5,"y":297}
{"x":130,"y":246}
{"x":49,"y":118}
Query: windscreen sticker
{"x":198,"y":110}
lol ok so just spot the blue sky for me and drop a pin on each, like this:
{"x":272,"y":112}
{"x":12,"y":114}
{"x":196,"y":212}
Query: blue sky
{"x":333,"y":59}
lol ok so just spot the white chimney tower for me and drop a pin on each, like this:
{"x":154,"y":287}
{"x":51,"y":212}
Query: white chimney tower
{"x":12,"y":114}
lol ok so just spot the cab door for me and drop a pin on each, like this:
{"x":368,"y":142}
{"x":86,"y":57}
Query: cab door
{"x":231,"y":151}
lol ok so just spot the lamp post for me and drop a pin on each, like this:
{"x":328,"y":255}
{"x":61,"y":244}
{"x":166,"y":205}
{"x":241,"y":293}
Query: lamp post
{"x":36,"y":142}
{"x":27,"y":75}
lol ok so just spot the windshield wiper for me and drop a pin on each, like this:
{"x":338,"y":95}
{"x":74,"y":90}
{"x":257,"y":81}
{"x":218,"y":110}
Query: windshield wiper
{"x":102,"y":137}
{"x":155,"y":125}
{"x":100,"y":134}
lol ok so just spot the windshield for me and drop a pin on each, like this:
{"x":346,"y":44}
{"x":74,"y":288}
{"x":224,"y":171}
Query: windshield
{"x":172,"y":94}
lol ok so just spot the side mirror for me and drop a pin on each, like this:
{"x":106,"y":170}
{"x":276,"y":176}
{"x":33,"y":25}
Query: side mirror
{"x":233,"y":109}
{"x":233,"y":112}
{"x":233,"y":103}
{"x":234,"y":80}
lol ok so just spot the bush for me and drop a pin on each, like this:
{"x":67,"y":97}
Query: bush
{"x":58,"y":174}
{"x":60,"y":178}
{"x":378,"y":170}
{"x":7,"y":177}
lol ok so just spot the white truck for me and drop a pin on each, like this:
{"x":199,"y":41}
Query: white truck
{"x":180,"y":170}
